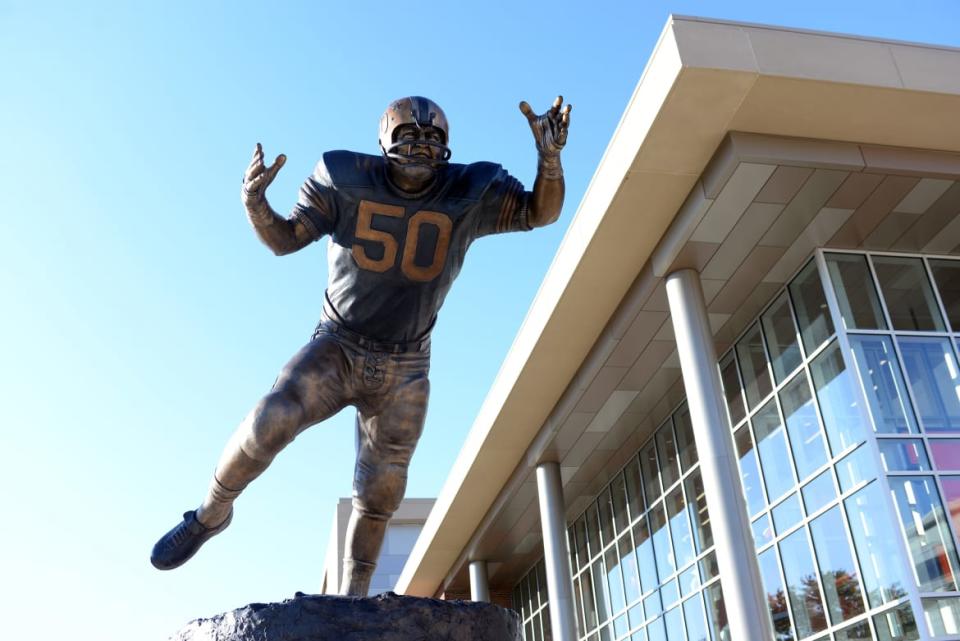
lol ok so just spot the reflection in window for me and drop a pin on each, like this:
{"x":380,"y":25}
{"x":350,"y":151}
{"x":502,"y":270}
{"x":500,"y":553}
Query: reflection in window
{"x":946,"y":454}
{"x":839,"y":401}
{"x":806,"y":438}
{"x":628,"y":563}
{"x":680,"y":528}
{"x":753,"y":366}
{"x":699,"y":516}
{"x":800,"y":575}
{"x":787,"y":514}
{"x":907,"y":293}
{"x":618,"y":494}
{"x":749,"y":470}
{"x":883,"y":384}
{"x":762,"y":531}
{"x":857,"y":631}
{"x":897,"y":624}
{"x":781,"y":335}
{"x":605,"y":505}
{"x":600,"y":591}
{"x":935,"y":381}
{"x":731,"y":388}
{"x":923,"y":523}
{"x":866,"y":513}
{"x":685,"y":441}
{"x":593,"y":530}
{"x":661,"y":542}
{"x":943,"y":615}
{"x":693,"y":615}
{"x":819,"y":492}
{"x":651,"y":478}
{"x":811,"y":305}
{"x":856,"y":467}
{"x":586,"y":598}
{"x":951,"y":494}
{"x":772,"y":447}
{"x":838,"y":572}
{"x":645,"y":556}
{"x":856,"y":296}
{"x":903,"y":455}
{"x":631,"y":475}
{"x":776,"y":595}
{"x":946,"y":273}
{"x":667,"y":450}
{"x":580,"y":528}
{"x":716,"y":613}
{"x":614,"y":580}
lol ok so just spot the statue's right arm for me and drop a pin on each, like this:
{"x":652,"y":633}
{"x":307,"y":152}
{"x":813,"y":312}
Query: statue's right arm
{"x":282,"y":235}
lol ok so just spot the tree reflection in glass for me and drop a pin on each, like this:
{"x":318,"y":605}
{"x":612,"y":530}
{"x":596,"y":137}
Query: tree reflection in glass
{"x":776,"y":596}
{"x":838,"y":572}
{"x":802,"y":588}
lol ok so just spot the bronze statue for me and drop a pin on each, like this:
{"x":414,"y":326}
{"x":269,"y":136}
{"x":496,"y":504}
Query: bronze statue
{"x":399,"y":227}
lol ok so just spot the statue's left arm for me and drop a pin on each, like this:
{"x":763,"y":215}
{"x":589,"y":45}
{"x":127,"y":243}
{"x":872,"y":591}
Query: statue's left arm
{"x":550,"y":134}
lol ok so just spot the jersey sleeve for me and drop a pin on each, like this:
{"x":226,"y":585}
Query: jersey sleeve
{"x":316,"y":206}
{"x":504,"y":206}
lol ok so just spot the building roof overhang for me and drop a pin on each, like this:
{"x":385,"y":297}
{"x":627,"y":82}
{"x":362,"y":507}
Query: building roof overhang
{"x":666,"y":159}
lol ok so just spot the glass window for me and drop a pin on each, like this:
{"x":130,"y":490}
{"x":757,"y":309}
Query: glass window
{"x":667,"y":449}
{"x":639,"y":635}
{"x":772,"y":447}
{"x":674,"y":622}
{"x":628,"y":563}
{"x":605,"y":505}
{"x":787,"y":514}
{"x":907,"y":293}
{"x":803,"y":428}
{"x":651,"y":479}
{"x":883,"y":384}
{"x":749,"y":470}
{"x":631,"y":474}
{"x":819,"y":492}
{"x":583,"y":555}
{"x":951,"y":494}
{"x":689,"y":581}
{"x":856,"y":631}
{"x":572,"y":546}
{"x":813,"y":316}
{"x":580,"y":609}
{"x":600,"y":590}
{"x":708,"y":567}
{"x":685,"y":441}
{"x":699,"y":515}
{"x":897,"y":624}
{"x":680,"y":528}
{"x":656,"y":631}
{"x":943,"y":615}
{"x":661,"y":541}
{"x":646,"y":559}
{"x":620,"y":626}
{"x":776,"y":595}
{"x":838,"y":572}
{"x":753,"y":366}
{"x":731,"y":388}
{"x":866,"y":513}
{"x":839,"y":402}
{"x":903,"y":455}
{"x":923,"y":523}
{"x":593,"y":529}
{"x":932,"y":372}
{"x":945,"y":453}
{"x":800,"y":576}
{"x":762,"y":531}
{"x":670,"y":593}
{"x":717,"y":613}
{"x":618,"y":492}
{"x":635,"y":615}
{"x":614,"y":580}
{"x":781,"y":335}
{"x":652,"y":604}
{"x":693,"y":616}
{"x":856,"y":296}
{"x":855,"y":468}
{"x":946,"y":273}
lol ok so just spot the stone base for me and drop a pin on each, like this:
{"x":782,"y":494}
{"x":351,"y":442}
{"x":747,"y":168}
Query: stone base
{"x":388,"y":617}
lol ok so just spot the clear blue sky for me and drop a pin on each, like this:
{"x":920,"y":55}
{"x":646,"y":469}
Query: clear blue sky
{"x":141,"y":319}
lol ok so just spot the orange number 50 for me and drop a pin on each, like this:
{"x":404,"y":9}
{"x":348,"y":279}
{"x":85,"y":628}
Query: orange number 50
{"x":411,"y":270}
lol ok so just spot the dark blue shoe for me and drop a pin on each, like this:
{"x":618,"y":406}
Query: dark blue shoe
{"x":177,"y":546}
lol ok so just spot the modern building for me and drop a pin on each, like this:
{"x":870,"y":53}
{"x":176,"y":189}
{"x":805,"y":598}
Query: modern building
{"x":733,"y":409}
{"x":402,"y":533}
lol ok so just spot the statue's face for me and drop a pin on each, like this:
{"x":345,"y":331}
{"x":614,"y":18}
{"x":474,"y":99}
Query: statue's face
{"x":414,"y":165}
{"x":420,"y":139}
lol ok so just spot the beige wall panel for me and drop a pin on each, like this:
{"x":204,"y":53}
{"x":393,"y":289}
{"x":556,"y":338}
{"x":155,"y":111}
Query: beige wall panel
{"x":927,"y":192}
{"x":647,"y":365}
{"x":584,"y":446}
{"x":741,"y":240}
{"x":736,"y":195}
{"x":873,"y":210}
{"x":745,"y":279}
{"x":658,"y":299}
{"x":820,"y":230}
{"x":783,"y":185}
{"x":665,"y":334}
{"x":714,"y":46}
{"x":831,"y":111}
{"x":854,"y":190}
{"x":889,"y":230}
{"x":803,"y":208}
{"x":799,"y":152}
{"x":938,"y":216}
{"x":599,"y":390}
{"x":711,"y":288}
{"x":607,"y":416}
{"x":571,"y":429}
{"x":830,"y":58}
{"x":946,"y":240}
{"x":678,"y":233}
{"x":660,"y":381}
{"x":913,"y":162}
{"x":694,"y":255}
{"x":641,"y":331}
{"x":749,"y":309}
{"x":928,"y":69}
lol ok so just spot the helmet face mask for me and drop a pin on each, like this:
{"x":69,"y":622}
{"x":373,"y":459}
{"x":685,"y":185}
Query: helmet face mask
{"x":413,"y":137}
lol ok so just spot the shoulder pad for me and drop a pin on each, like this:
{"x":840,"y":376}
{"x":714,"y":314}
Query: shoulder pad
{"x":350,"y":169}
{"x":469,"y":182}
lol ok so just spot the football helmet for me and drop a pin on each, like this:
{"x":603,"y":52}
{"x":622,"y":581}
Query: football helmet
{"x":418,"y":111}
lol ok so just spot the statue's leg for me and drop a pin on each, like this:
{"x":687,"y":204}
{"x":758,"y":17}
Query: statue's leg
{"x":389,"y":427}
{"x":310,"y":388}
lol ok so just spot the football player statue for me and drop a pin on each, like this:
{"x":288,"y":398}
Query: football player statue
{"x":399,"y":225}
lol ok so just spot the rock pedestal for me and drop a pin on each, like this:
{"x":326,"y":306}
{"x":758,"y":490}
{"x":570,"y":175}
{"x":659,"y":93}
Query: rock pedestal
{"x":387,"y":617}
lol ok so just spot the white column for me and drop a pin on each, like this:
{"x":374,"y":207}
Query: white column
{"x":555,"y":554}
{"x":479,"y":587}
{"x":743,"y":593}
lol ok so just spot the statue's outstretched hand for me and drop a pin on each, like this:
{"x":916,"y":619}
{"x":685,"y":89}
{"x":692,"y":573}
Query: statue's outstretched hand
{"x":258,"y":177}
{"x":550,"y":129}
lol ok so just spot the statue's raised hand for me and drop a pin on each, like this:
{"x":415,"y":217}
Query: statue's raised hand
{"x":258,"y":177}
{"x":550,"y":129}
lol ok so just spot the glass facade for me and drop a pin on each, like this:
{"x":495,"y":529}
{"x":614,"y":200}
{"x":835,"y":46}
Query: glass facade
{"x":844,"y":408}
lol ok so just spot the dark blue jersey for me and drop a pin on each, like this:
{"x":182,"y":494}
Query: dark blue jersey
{"x":392,"y":257}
